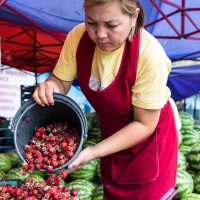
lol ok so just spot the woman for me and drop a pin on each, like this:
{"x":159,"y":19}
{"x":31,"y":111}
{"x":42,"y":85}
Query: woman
{"x":122,"y":71}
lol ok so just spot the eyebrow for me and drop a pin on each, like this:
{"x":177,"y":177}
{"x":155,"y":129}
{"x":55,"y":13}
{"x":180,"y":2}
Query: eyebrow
{"x":113,"y":20}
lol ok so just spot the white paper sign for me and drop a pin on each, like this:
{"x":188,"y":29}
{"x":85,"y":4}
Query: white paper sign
{"x":10,"y":90}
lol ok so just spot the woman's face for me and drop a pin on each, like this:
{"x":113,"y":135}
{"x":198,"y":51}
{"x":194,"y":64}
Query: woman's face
{"x":107,"y":26}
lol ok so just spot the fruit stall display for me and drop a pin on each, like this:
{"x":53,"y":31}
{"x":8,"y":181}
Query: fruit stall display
{"x":188,"y":172}
{"x":83,"y":184}
{"x":87,"y":180}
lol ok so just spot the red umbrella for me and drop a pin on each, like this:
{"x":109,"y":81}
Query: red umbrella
{"x":27,"y":49}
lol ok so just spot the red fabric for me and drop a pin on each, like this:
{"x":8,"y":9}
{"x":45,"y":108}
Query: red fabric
{"x":28,"y":49}
{"x":148,"y":170}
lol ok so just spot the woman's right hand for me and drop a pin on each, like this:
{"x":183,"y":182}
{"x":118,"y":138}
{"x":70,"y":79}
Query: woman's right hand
{"x":43,"y":94}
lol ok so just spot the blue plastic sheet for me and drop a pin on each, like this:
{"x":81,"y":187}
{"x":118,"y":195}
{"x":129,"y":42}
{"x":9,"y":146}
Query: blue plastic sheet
{"x":184,"y":81}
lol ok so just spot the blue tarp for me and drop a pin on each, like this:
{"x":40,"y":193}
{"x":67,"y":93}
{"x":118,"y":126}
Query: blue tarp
{"x":184,"y":81}
{"x":59,"y":15}
{"x":176,"y":24}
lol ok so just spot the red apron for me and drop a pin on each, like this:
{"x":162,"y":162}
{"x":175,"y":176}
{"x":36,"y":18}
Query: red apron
{"x":148,"y":170}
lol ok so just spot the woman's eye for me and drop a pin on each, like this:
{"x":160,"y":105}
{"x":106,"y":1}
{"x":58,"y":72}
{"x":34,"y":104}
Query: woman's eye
{"x":112,"y":26}
{"x":91,"y":23}
{"x":108,"y":25}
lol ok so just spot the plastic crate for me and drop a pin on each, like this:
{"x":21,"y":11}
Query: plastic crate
{"x":6,"y":140}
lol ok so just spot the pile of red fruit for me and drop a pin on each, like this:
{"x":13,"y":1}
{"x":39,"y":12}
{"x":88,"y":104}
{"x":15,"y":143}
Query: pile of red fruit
{"x":50,"y":147}
{"x":48,"y":190}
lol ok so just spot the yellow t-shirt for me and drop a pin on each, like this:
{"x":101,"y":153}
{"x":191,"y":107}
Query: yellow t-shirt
{"x":150,"y":90}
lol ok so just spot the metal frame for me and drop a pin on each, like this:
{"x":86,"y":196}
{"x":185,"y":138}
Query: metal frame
{"x":184,"y":15}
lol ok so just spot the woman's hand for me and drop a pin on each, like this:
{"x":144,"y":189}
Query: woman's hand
{"x":43,"y":94}
{"x":83,"y":158}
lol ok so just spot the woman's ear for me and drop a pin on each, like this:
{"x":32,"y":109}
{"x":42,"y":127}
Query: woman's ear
{"x":135,"y":16}
{"x":133,"y":25}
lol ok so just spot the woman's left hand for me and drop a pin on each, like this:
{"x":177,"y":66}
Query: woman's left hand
{"x":85,"y":156}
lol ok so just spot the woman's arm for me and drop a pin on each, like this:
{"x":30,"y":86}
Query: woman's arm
{"x":43,"y":94}
{"x":144,"y":124}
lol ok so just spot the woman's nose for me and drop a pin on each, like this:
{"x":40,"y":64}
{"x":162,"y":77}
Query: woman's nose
{"x":101,"y":32}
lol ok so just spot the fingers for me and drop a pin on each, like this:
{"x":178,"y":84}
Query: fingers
{"x":83,"y":158}
{"x":75,"y":165}
{"x":78,"y":163}
{"x":36,"y":98}
{"x":43,"y":94}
